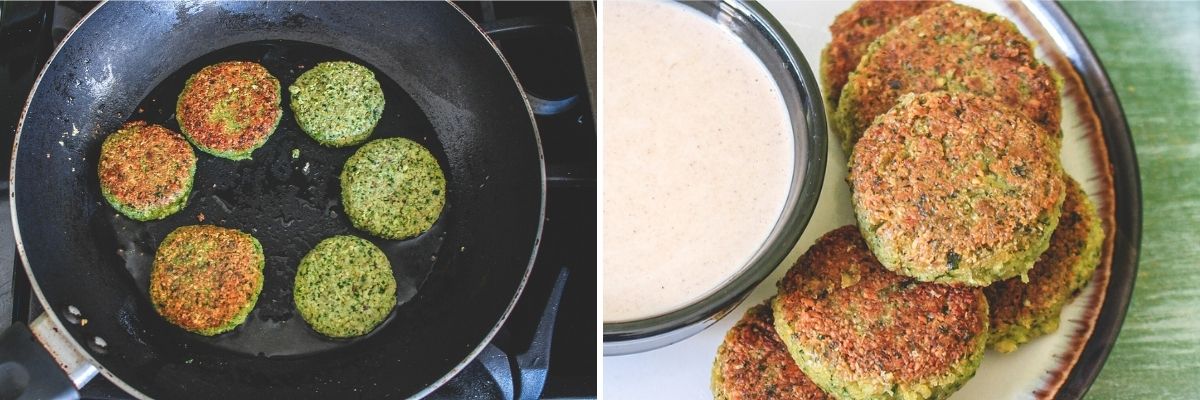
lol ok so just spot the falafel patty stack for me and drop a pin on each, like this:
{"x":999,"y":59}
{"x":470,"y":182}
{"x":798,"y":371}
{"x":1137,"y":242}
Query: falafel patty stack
{"x":969,"y":233}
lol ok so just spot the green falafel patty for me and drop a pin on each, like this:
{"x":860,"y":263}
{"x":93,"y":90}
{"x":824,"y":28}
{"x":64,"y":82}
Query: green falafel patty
{"x":344,"y":287}
{"x":861,"y":332}
{"x":956,"y":188}
{"x":853,"y":31}
{"x":393,"y":188}
{"x":337,"y":103}
{"x":146,"y":171}
{"x":1022,"y":311}
{"x":206,"y":278}
{"x":753,"y":364}
{"x":953,"y":48}
{"x":229,"y":109}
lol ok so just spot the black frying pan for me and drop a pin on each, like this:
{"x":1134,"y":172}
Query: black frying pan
{"x":446,"y":87}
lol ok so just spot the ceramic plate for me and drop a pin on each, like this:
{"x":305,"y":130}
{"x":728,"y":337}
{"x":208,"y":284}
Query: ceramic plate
{"x":1097,"y":152}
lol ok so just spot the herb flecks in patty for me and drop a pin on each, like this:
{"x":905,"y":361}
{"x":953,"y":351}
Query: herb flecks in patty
{"x":146,"y":171}
{"x":229,"y":109}
{"x":337,"y":103}
{"x":344,"y":287}
{"x":393,"y":188}
{"x":206,"y":278}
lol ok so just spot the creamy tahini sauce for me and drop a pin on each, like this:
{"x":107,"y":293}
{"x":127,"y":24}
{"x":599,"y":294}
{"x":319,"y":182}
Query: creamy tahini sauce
{"x":697,"y":157}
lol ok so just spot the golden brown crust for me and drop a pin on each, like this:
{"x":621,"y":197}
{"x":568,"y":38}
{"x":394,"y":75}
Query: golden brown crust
{"x":865,"y":322}
{"x":230,"y":107}
{"x":753,"y":364}
{"x":854,"y":30}
{"x":204,"y":276}
{"x":1060,"y":272}
{"x":955,"y":48}
{"x":956,"y":185}
{"x":145,"y":166}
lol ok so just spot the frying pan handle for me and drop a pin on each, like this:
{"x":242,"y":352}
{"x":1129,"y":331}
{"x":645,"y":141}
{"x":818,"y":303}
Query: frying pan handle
{"x":71,"y":358}
{"x":533,"y":365}
{"x":28,"y":370}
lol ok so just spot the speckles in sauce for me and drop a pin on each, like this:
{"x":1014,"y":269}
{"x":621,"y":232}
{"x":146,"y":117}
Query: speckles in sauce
{"x":697,"y":157}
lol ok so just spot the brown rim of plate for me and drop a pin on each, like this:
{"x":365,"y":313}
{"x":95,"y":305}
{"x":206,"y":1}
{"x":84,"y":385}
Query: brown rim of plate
{"x":1075,"y":94}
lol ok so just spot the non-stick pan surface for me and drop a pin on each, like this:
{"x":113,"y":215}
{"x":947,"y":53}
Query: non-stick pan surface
{"x":446,"y":87}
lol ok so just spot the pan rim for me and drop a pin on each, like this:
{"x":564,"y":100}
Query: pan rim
{"x":537,"y":241}
{"x":12,"y":204}
{"x":471,"y":356}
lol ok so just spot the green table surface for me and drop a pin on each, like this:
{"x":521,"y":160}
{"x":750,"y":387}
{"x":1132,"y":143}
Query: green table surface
{"x":1151,"y":51}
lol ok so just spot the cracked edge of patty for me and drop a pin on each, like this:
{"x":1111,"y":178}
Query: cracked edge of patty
{"x":200,"y":318}
{"x":382,"y":205}
{"x":752,"y":363}
{"x":1022,"y":311}
{"x":1010,"y":71}
{"x":853,"y":31}
{"x":956,"y":188}
{"x":211,"y":121}
{"x":344,"y":287}
{"x":138,"y":141}
{"x":319,"y":100}
{"x":859,"y":331}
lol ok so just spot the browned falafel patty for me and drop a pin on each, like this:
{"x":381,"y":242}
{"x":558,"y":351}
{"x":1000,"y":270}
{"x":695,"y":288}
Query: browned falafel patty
{"x":956,"y":188}
{"x":229,"y":109}
{"x":853,"y":31}
{"x":146,"y":171}
{"x":1022,"y":311}
{"x":753,"y":364}
{"x":206,"y":279}
{"x":955,"y":48}
{"x":860,"y":331}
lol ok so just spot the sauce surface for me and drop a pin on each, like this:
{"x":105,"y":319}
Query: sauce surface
{"x":698,"y":155}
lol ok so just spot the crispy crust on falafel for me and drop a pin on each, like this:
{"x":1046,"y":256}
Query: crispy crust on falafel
{"x":229,"y":109}
{"x":953,"y":48}
{"x":956,"y":188}
{"x":206,"y":278}
{"x":752,"y":363}
{"x":146,"y":171}
{"x":859,"y":331}
{"x":853,"y":31}
{"x":1022,"y":311}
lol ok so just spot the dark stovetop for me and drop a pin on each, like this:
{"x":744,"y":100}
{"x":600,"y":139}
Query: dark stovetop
{"x":539,"y":40}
